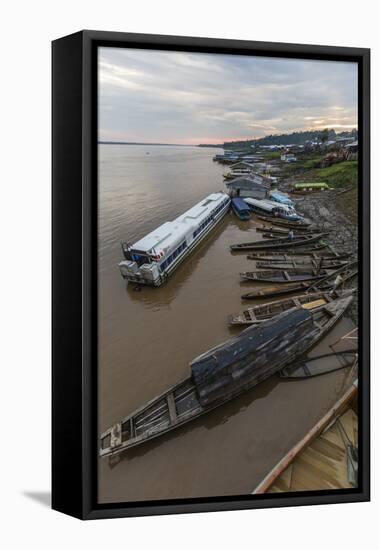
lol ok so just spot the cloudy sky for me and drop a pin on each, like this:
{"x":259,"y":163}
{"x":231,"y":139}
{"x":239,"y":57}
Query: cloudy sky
{"x":191,"y":98}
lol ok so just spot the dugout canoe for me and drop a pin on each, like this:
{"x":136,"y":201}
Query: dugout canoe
{"x":298,"y":241}
{"x":277,"y":257}
{"x":262,"y":312}
{"x":284,"y":223}
{"x":320,"y":364}
{"x":284,"y":231}
{"x":223,"y":373}
{"x":348,"y":272}
{"x":296,"y":234}
{"x":325,"y":263}
{"x":284,"y":275}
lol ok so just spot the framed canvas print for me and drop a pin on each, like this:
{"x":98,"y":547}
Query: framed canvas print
{"x":210,"y":274}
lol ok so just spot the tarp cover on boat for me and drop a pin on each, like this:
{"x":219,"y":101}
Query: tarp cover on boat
{"x":249,"y":358}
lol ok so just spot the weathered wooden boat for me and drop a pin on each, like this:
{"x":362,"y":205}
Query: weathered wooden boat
{"x":224,"y":372}
{"x":284,"y":275}
{"x":321,"y":364}
{"x":347,"y":272}
{"x":325,"y":458}
{"x":325,"y":263}
{"x":284,"y":231}
{"x":296,"y":234}
{"x":302,"y":240}
{"x":283,"y":222}
{"x":284,"y":256}
{"x":262,"y":312}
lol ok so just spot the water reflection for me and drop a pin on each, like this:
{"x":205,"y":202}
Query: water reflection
{"x":208,"y":421}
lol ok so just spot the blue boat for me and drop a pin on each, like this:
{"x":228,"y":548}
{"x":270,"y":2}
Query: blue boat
{"x":282,"y":199}
{"x":241,"y":209}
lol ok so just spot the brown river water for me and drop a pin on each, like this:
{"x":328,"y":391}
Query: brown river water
{"x":148,"y":338}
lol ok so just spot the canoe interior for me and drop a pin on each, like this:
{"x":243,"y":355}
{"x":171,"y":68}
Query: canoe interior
{"x":328,"y":462}
{"x":261,"y":313}
{"x":170,"y":410}
{"x":278,"y":243}
{"x":285,"y":275}
{"x":299,"y":253}
{"x":325,"y":284}
{"x":305,"y":263}
{"x":313,"y":258}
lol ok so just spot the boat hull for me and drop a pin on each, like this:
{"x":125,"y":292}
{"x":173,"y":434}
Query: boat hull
{"x":284,"y":276}
{"x":278,"y":243}
{"x":283,"y":222}
{"x":261,"y":313}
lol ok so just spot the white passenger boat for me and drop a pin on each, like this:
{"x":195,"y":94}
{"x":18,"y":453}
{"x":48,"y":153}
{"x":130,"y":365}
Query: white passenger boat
{"x":151,"y":260}
{"x":271,"y":208}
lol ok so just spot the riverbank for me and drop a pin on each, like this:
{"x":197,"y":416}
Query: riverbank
{"x":337,"y":212}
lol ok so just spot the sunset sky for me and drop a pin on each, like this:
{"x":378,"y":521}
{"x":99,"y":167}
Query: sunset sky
{"x":191,"y":98}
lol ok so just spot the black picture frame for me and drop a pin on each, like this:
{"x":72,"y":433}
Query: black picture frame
{"x":74,"y":272}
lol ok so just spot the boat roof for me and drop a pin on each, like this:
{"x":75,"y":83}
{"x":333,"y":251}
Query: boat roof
{"x":281,"y":198}
{"x":267,"y":204}
{"x":240,"y":204}
{"x":170,"y":233}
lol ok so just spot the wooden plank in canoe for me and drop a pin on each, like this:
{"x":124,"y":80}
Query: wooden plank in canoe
{"x":171,"y":407}
{"x":315,"y":303}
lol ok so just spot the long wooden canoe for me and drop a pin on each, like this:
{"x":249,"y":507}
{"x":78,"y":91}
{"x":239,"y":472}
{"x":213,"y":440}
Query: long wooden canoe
{"x":225,"y":372}
{"x":330,"y":263}
{"x":296,"y":234}
{"x":284,"y":231}
{"x":298,"y":241}
{"x":262,"y":312}
{"x":284,"y":275}
{"x":325,"y":458}
{"x":347,"y":272}
{"x":283,"y":222}
{"x":277,"y":257}
{"x":321,"y":364}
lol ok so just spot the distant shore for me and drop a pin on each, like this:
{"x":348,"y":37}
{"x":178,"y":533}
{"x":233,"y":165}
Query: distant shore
{"x":102,"y":142}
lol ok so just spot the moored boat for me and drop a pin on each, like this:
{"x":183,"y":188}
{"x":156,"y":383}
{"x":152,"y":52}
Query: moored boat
{"x":241,"y":209}
{"x":297,"y":241}
{"x":267,"y":207}
{"x":224,"y":372}
{"x":294,"y":233}
{"x":152,"y":259}
{"x":260,"y":313}
{"x":284,"y":275}
{"x":284,"y":231}
{"x":325,"y":263}
{"x":311,"y":254}
{"x":320,"y":364}
{"x":347,"y":273}
{"x":283,"y":222}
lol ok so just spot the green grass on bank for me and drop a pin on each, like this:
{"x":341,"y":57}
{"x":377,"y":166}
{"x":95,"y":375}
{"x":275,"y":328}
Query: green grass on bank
{"x":342,"y":174}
